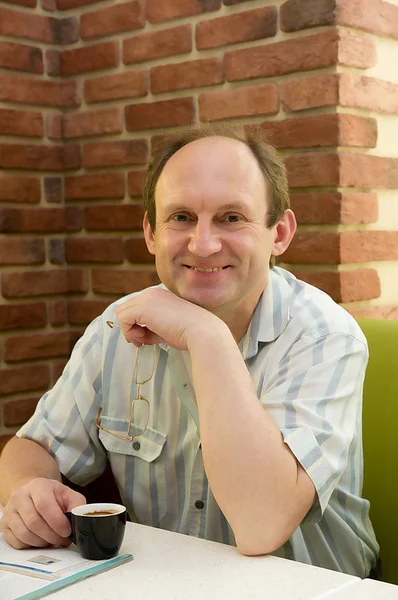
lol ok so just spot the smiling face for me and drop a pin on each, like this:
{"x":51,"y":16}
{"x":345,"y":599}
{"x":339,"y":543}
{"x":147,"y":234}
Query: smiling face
{"x":211,"y":242}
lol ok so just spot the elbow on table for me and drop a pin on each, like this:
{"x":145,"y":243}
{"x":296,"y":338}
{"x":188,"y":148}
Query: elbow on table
{"x":257,"y":545}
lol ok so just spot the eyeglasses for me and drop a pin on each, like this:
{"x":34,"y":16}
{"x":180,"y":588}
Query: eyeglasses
{"x":144,"y":356}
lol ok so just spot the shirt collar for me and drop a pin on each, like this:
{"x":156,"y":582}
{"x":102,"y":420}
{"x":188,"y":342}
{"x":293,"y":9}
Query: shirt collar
{"x":271,"y":315}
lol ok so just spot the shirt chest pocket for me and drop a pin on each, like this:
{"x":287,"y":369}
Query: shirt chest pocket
{"x":139,"y":468}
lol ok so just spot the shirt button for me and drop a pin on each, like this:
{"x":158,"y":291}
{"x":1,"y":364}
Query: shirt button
{"x":136,"y":445}
{"x":199,"y":504}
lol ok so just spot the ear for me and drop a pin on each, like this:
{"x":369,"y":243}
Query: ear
{"x":284,"y":232}
{"x":149,"y":235}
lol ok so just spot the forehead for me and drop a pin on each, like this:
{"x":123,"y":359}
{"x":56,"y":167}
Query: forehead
{"x":212,"y":166}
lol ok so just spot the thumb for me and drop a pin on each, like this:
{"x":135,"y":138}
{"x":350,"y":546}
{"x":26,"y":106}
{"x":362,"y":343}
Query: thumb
{"x":69,"y":498}
{"x":73,"y":499}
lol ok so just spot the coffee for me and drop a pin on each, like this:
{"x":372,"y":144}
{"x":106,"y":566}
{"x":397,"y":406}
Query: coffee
{"x":100,"y":513}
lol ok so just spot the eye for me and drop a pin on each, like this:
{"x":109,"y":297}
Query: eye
{"x":180,"y":218}
{"x":232,"y":218}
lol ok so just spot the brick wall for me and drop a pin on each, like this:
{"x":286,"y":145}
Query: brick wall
{"x":85,"y":87}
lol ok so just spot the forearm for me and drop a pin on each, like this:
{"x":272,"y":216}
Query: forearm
{"x":21,"y":461}
{"x":251,"y":472}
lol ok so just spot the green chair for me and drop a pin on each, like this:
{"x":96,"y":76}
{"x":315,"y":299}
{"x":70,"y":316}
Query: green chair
{"x":380,"y":439}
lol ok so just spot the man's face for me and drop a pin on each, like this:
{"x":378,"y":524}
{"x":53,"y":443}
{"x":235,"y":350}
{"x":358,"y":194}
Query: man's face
{"x":211,"y":243}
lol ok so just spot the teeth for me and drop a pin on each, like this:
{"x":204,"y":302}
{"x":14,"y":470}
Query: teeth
{"x":206,"y":270}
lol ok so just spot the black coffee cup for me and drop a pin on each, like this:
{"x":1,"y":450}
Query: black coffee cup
{"x":98,"y":529}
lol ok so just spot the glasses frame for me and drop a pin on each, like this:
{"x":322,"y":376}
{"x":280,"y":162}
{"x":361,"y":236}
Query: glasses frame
{"x":138,"y":397}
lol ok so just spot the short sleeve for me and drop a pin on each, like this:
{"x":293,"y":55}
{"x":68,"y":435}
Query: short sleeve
{"x":64,"y":420}
{"x":315,"y":397}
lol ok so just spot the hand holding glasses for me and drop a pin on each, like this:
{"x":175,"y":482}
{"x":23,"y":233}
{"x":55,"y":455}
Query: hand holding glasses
{"x":144,"y":357}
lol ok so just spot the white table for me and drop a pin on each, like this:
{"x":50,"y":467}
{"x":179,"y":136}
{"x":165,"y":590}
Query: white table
{"x":172,"y":566}
{"x":365,"y":590}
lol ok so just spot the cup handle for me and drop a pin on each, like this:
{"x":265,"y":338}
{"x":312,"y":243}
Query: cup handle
{"x":72,"y":536}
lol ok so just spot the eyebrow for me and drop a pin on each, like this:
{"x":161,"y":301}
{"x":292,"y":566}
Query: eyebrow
{"x":233,"y":206}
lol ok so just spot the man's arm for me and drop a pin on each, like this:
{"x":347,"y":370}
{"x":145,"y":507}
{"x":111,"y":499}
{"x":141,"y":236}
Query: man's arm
{"x":257,"y":482}
{"x":21,"y":461}
{"x":33,"y":496}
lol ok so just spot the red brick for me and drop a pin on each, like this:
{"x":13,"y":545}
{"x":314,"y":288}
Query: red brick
{"x":55,"y":126}
{"x":316,"y":13}
{"x":39,"y":345}
{"x":131,"y":84}
{"x":101,"y":22}
{"x":74,"y":218}
{"x":310,"y":92}
{"x":58,"y":312}
{"x":99,"y":122}
{"x":114,"y":154}
{"x":22,"y":251}
{"x":314,"y":247}
{"x":42,"y":93}
{"x":365,"y":171}
{"x":252,"y":25}
{"x":344,"y":286}
{"x":346,"y":208}
{"x":18,"y":411}
{"x":67,"y":4}
{"x":374,"y":312}
{"x":89,"y":58}
{"x":21,"y":123}
{"x":191,"y":74}
{"x":377,"y":16}
{"x":356,"y":50}
{"x":88,"y":187}
{"x":240,"y":102}
{"x":21,"y":58}
{"x":135,"y":183}
{"x":166,"y":113}
{"x":233,"y":2}
{"x":38,"y":27}
{"x":114,"y":218}
{"x":121,"y":281}
{"x":57,"y":369}
{"x":32,"y":220}
{"x":136,"y":251}
{"x":316,"y":51}
{"x":322,"y":130}
{"x":367,"y":246}
{"x":14,"y":188}
{"x":313,"y":169}
{"x":15,"y":23}
{"x":56,"y":251}
{"x":21,"y":316}
{"x":41,"y":158}
{"x":53,"y":62}
{"x":157,"y":44}
{"x":36,"y":283}
{"x":108,"y":250}
{"x":50,"y":5}
{"x":173,"y":9}
{"x":53,"y":189}
{"x":368,"y":93}
{"x":28,"y":3}
{"x":23,"y":379}
{"x":82,"y":312}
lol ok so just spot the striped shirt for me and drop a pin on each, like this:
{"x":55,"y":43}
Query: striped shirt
{"x":307,"y":358}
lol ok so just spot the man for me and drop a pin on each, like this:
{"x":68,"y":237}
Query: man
{"x":249,"y":430}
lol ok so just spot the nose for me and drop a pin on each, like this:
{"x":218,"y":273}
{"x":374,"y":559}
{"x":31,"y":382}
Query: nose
{"x":204,"y":241}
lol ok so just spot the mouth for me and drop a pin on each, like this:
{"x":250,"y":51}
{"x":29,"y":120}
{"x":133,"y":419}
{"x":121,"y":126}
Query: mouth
{"x":206,"y":269}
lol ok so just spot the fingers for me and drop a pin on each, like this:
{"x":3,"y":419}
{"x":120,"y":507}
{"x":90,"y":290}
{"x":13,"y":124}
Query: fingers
{"x":21,"y":536}
{"x":34,"y":515}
